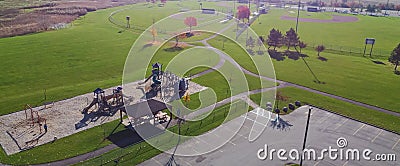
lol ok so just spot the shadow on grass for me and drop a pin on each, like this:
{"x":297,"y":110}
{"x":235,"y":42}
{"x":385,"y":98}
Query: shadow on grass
{"x":130,"y":136}
{"x":378,"y":62}
{"x":250,"y":51}
{"x":173,"y":49}
{"x":319,"y":82}
{"x":397,"y":72}
{"x":292,"y":55}
{"x":322,"y":58}
{"x":276,"y":55}
{"x":260,"y":52}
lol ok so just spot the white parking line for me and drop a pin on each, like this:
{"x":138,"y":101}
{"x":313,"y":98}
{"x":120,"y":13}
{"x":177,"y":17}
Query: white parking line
{"x":157,"y":162}
{"x":396,"y":143}
{"x":186,"y":162}
{"x":345,"y":163}
{"x":323,"y":119}
{"x":232,"y":143}
{"x":358,"y":129}
{"x":377,"y":136}
{"x":205,"y":142}
{"x":213,"y":134}
{"x":317,"y":163}
{"x":237,"y":133}
{"x":341,"y":124}
{"x":257,"y":122}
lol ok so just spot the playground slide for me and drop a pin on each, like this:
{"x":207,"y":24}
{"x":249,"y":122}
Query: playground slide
{"x":147,"y":79}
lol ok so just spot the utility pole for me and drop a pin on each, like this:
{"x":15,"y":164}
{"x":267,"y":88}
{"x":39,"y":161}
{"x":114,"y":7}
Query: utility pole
{"x":387,"y":6}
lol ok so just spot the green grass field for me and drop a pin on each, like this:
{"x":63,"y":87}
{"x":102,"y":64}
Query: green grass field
{"x":345,"y":35}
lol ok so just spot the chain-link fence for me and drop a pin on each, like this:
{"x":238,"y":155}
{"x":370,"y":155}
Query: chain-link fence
{"x":353,"y":51}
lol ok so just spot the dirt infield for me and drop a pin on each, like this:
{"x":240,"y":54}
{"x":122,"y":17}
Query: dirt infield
{"x":335,"y":19}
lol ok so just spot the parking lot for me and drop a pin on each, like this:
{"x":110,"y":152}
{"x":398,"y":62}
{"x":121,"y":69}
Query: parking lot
{"x":324,"y":131}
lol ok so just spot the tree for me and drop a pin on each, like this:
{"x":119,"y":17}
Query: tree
{"x":320,"y":48}
{"x":395,"y":57}
{"x":302,"y":45}
{"x":250,"y":42}
{"x":398,"y":9}
{"x":280,"y":97}
{"x":177,"y":37}
{"x":275,"y":38}
{"x":190,"y":21}
{"x":260,"y":42}
{"x":291,"y":39}
{"x":370,"y":8}
{"x":163,"y":1}
{"x":243,"y":12}
{"x":153,"y":32}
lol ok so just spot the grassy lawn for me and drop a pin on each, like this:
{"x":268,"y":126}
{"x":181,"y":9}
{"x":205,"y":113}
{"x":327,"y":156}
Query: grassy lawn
{"x":366,"y":80}
{"x":380,"y":119}
{"x":346,"y":35}
{"x":351,"y":77}
{"x":67,"y":147}
{"x":66,"y":63}
{"x":72,"y":61}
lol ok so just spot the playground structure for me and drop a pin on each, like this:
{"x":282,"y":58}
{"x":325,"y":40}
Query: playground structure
{"x":27,"y":130}
{"x":156,"y":74}
{"x":33,"y":117}
{"x":167,"y":84}
{"x":103,"y":104}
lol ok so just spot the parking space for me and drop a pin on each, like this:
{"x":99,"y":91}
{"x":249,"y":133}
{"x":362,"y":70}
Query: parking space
{"x":324,"y":131}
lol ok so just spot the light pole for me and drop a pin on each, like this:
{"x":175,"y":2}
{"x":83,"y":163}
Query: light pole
{"x":387,"y":6}
{"x":297,"y":18}
{"x":305,"y":136}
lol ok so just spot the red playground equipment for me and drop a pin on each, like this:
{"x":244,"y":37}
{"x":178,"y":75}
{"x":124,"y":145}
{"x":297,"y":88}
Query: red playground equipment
{"x":32,"y":117}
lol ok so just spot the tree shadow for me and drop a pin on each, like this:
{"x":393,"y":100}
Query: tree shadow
{"x":294,"y":55}
{"x":303,"y":55}
{"x":322,"y":58}
{"x":378,"y":62}
{"x":397,"y":72}
{"x":276,"y":55}
{"x":173,"y":49}
{"x":250,"y":51}
{"x":280,"y":124}
{"x":147,"y":45}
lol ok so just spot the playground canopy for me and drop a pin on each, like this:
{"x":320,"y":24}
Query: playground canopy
{"x":146,"y":108}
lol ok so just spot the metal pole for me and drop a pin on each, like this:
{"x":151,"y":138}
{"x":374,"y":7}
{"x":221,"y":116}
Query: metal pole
{"x":298,"y":14}
{"x":370,"y":52}
{"x":305,"y":136}
{"x":365,"y":48}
